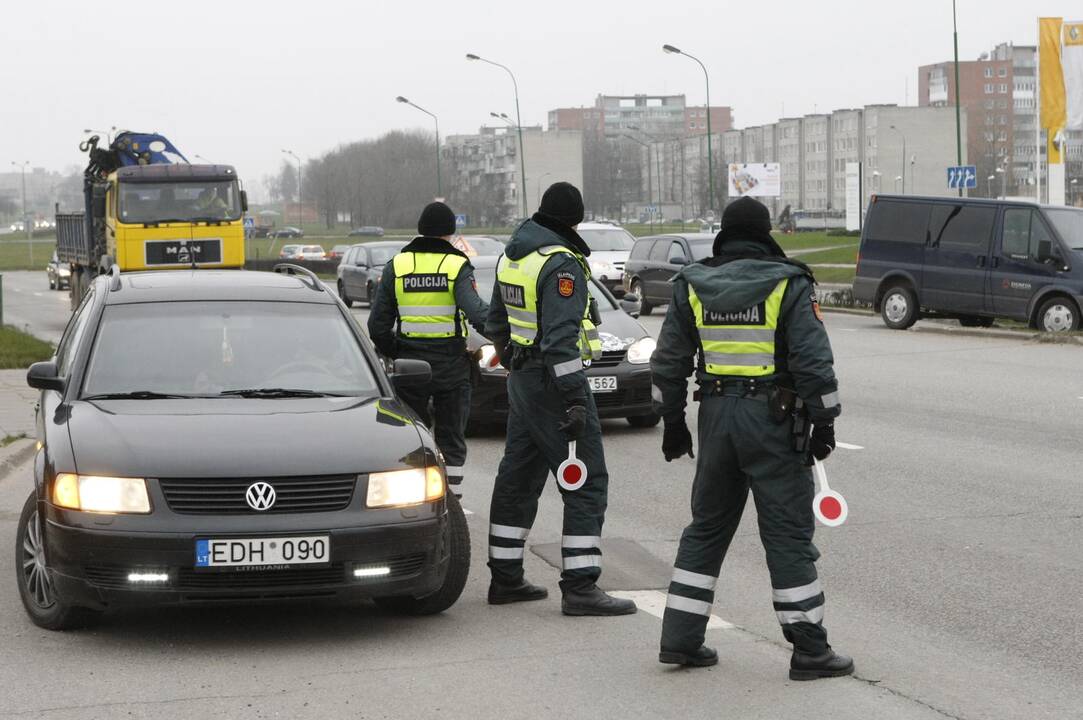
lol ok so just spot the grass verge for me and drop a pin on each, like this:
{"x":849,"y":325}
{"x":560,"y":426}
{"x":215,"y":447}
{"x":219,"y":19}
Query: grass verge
{"x":18,"y":350}
{"x":8,"y":439}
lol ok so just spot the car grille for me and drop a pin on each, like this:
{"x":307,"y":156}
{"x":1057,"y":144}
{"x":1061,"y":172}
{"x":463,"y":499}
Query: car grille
{"x":226,"y":496}
{"x":609,"y":358}
{"x":621,"y":398}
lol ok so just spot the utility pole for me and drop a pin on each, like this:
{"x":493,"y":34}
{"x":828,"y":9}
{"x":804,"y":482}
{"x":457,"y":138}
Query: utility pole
{"x":958,"y":121}
{"x":300,"y":211}
{"x":439,"y":184}
{"x":710,"y":161}
{"x":27,"y":225}
{"x":518,"y":123}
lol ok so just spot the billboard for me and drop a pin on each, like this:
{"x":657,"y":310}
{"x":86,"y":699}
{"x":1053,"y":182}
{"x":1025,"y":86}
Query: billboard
{"x":755,"y":180}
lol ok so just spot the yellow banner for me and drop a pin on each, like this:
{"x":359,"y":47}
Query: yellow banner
{"x":1051,"y":78}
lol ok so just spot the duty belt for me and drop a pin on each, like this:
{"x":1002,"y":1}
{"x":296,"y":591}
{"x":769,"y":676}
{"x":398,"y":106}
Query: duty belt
{"x":744,"y":388}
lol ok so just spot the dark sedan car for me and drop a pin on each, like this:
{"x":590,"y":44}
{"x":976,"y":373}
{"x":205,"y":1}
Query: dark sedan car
{"x":217,"y":435}
{"x":656,"y":259}
{"x":620,"y":380}
{"x":361,"y":267}
{"x":367,"y":231}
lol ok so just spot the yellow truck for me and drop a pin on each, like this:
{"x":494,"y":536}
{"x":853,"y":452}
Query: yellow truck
{"x":148,"y":208}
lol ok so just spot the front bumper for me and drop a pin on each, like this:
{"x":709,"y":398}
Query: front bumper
{"x":91,"y":566}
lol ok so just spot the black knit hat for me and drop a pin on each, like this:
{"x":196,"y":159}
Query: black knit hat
{"x":747,"y":219}
{"x":437,"y":220}
{"x":563,"y":202}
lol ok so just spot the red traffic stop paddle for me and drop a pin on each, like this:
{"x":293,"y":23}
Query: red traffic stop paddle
{"x":829,"y":506}
{"x":572,"y":473}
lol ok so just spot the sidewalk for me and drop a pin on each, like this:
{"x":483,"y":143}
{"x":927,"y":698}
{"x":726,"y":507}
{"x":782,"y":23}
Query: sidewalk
{"x":17,"y":401}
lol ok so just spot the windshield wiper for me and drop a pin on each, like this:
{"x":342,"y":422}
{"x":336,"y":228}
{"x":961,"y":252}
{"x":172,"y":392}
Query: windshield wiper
{"x":278,"y":393}
{"x":137,"y":395}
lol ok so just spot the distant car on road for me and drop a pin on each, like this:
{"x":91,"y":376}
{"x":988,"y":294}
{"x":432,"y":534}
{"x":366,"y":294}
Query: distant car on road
{"x":59,"y":273}
{"x":367,"y":231}
{"x":230,"y":436}
{"x":360,"y":270}
{"x":656,"y":259}
{"x":609,"y":248}
{"x":289,"y":252}
{"x":287,"y":232}
{"x":311,"y":252}
{"x":971,"y":259}
{"x":337,"y":252}
{"x":620,"y":380}
{"x":474,"y":245}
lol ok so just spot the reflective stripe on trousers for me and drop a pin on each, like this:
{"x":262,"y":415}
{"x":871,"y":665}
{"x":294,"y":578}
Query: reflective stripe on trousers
{"x":801,"y":604}
{"x":691,"y":592}
{"x":507,"y":542}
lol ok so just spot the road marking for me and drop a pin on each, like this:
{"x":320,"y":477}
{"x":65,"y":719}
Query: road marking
{"x":654,"y":603}
{"x":848,"y":446}
{"x":467,"y":512}
{"x":37,"y":294}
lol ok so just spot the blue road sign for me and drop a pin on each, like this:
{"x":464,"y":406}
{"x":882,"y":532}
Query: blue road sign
{"x":962,"y":176}
{"x":249,"y":222}
{"x":460,"y":220}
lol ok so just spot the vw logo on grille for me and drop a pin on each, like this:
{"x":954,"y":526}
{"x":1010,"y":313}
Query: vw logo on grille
{"x":260,"y":496}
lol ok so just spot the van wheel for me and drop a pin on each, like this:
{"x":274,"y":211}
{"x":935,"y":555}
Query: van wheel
{"x":457,"y":570}
{"x":976,"y":321}
{"x":34,"y":579}
{"x":645,"y":307}
{"x":1058,"y":314}
{"x":899,"y":307}
{"x":343,"y":296}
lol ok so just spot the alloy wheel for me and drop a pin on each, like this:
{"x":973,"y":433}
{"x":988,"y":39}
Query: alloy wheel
{"x":1058,"y":318}
{"x":896,"y":307}
{"x":35,"y":574}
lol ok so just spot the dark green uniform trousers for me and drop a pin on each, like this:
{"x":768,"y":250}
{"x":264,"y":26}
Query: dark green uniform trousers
{"x":534,"y":448}
{"x":449,"y":390}
{"x":740,"y":448}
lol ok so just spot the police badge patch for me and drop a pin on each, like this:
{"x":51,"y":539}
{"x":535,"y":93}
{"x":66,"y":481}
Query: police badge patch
{"x":816,"y":307}
{"x":566,"y":284}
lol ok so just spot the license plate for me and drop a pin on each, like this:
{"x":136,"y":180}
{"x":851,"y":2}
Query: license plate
{"x":603,"y":383}
{"x":248,"y":552}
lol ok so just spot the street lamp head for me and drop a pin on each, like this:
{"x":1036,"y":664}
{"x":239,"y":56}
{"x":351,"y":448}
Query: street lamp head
{"x":401,"y":99}
{"x":991,"y":177}
{"x":876,"y":173}
{"x":670,"y":49}
{"x":472,"y":56}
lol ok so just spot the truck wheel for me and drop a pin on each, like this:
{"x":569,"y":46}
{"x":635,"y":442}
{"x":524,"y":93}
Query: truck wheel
{"x":645,"y":307}
{"x":1057,"y":314}
{"x":34,"y":579}
{"x":75,"y":288}
{"x":457,"y":570}
{"x":342,"y":294}
{"x":644,"y":421}
{"x":899,"y":307}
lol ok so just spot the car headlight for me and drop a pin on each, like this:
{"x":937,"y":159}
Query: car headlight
{"x":97,"y":493}
{"x":405,"y":487}
{"x":488,"y":358}
{"x":64,"y":271}
{"x":641,"y":350}
{"x":603,"y":270}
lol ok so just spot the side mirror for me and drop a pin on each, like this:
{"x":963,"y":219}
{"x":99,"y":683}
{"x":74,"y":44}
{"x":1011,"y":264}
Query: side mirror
{"x":244,"y":201}
{"x":678,"y":260}
{"x":44,"y":376}
{"x":631,"y":304}
{"x":407,"y":372}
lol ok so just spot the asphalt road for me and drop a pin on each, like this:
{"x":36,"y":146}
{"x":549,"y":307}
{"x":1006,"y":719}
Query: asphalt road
{"x":29,"y":303}
{"x":956,"y":582}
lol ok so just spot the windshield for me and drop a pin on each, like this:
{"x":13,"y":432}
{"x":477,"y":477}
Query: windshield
{"x":486,"y":279}
{"x":701,"y":249}
{"x":615,"y":240}
{"x":1069,"y":224}
{"x":179,"y":202}
{"x":206,"y":348}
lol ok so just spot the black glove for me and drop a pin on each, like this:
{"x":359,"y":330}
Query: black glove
{"x":822,"y":441}
{"x":676,"y":441}
{"x":575,"y":423}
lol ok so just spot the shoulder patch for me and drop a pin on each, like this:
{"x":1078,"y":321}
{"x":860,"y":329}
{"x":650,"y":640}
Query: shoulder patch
{"x":565,"y":284}
{"x":816,"y":307}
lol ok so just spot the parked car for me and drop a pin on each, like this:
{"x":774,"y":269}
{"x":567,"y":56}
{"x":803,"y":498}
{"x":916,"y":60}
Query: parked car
{"x":609,"y":248}
{"x":163,"y":476}
{"x":59,"y":273}
{"x":289,"y":252}
{"x":360,"y":270}
{"x":337,"y":252}
{"x":971,"y":259}
{"x":311,"y":252}
{"x":620,"y":380}
{"x":367,"y":231}
{"x":474,"y":245}
{"x":656,"y":259}
{"x":287,"y":232}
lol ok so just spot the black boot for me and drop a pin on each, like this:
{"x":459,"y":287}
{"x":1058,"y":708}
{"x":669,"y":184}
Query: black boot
{"x":592,"y":601}
{"x":702,"y":656}
{"x":523,"y":592}
{"x":806,"y":666}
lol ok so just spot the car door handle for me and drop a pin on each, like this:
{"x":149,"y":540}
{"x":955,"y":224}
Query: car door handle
{"x":995,"y":262}
{"x":981,"y":261}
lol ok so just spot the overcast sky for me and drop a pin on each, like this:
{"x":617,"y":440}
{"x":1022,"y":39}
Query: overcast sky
{"x":237,"y":81}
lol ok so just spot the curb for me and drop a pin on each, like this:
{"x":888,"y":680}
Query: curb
{"x":997,"y":333}
{"x":15,"y":455}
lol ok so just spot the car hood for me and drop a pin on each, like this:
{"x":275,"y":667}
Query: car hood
{"x":242,"y":437}
{"x":618,"y":330}
{"x":609,"y":256}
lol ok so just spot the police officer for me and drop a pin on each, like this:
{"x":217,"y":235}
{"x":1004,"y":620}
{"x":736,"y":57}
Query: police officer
{"x":747,"y":318}
{"x":426,"y":298}
{"x":540,"y":319}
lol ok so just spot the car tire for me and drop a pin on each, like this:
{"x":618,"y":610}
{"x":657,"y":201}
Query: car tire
{"x":52,"y":284}
{"x":457,"y":570}
{"x":976,"y":321}
{"x":34,"y":579}
{"x":343,"y":296}
{"x":644,"y":421}
{"x":899,"y":307}
{"x":1057,"y":314}
{"x":645,"y":307}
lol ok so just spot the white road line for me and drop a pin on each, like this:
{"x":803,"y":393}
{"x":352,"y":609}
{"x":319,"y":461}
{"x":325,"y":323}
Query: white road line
{"x":37,"y":294}
{"x":654,"y":603}
{"x":848,"y":446}
{"x":467,"y":512}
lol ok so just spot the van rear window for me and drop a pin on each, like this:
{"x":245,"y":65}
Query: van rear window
{"x":898,"y":221}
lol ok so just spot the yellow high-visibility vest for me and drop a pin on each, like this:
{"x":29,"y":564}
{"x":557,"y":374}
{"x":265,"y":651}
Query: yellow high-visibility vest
{"x":425,"y":293}
{"x":518,"y":283}
{"x":741,"y":342}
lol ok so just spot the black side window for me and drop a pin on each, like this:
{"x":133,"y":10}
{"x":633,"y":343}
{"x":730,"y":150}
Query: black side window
{"x":69,"y":343}
{"x":1025,"y":236}
{"x":677,"y":255}
{"x":966,"y":226}
{"x":641,"y":250}
{"x":898,"y":221}
{"x":659,"y":251}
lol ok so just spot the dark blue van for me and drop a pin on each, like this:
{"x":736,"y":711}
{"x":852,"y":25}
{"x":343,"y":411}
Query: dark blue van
{"x":971,"y":259}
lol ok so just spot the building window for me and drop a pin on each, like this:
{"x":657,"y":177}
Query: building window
{"x":1003,"y":88}
{"x":988,"y":88}
{"x":990,"y":104}
{"x":1002,"y":72}
{"x":988,"y":72}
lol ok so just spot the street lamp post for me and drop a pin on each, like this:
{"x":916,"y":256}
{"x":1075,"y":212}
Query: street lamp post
{"x":710,"y":161}
{"x":1000,"y":171}
{"x":902,"y":168}
{"x":650,"y":180}
{"x":300,"y":213}
{"x":876,"y":179}
{"x":439,"y":184}
{"x":518,"y":122}
{"x":1074,"y":182}
{"x":27,"y":225}
{"x":989,"y":185}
